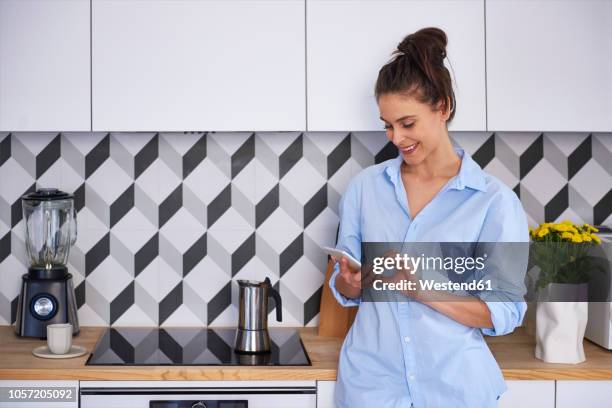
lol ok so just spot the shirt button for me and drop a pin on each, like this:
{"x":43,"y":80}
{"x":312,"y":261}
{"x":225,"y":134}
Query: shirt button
{"x":411,"y":377}
{"x":407,"y":339}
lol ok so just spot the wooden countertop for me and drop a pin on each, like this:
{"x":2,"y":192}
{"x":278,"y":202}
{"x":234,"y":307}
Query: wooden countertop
{"x":514,"y":353}
{"x":18,"y":363}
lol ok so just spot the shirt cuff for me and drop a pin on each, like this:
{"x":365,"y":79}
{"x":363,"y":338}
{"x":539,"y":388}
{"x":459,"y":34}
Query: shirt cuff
{"x":505,"y":317}
{"x":342,"y":300}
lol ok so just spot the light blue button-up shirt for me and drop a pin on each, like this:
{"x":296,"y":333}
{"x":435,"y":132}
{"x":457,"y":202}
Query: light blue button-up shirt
{"x":403,"y":354}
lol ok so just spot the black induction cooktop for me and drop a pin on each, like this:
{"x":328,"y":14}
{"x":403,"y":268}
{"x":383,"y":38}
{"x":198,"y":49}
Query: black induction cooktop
{"x":192,"y":346}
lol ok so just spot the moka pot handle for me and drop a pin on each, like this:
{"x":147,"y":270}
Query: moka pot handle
{"x":277,"y":300}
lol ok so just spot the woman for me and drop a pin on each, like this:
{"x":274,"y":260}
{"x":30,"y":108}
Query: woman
{"x":421,"y":352}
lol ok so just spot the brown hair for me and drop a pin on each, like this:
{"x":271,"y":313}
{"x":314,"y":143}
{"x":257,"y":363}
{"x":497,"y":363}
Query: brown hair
{"x":417,"y":69}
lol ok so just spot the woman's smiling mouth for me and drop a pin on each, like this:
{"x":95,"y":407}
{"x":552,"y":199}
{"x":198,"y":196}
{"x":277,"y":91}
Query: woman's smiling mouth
{"x":409,"y":149}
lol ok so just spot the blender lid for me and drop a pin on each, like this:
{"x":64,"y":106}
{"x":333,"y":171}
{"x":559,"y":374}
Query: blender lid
{"x":47,"y":194}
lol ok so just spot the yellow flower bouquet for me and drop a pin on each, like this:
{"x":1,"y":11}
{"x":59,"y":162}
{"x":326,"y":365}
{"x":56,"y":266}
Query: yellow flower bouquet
{"x":561,"y":250}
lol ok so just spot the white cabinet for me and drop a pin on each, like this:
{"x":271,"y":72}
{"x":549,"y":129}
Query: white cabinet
{"x":528,"y":394}
{"x":325,"y":394}
{"x":44,"y":65}
{"x":348,"y":41}
{"x":549,"y":65}
{"x":584,"y":394}
{"x":169,"y":65}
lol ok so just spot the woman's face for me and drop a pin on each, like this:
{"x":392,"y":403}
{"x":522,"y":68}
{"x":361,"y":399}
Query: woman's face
{"x":412,"y":126}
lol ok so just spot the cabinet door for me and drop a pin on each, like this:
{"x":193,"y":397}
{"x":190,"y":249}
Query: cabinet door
{"x":348,"y":41}
{"x":325,"y":394}
{"x":44,"y":65}
{"x":549,"y":65}
{"x":528,"y":394}
{"x":584,"y":394}
{"x":198,"y":65}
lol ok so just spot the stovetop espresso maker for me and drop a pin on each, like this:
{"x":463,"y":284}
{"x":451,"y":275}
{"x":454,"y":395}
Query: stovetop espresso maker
{"x":252,"y":334}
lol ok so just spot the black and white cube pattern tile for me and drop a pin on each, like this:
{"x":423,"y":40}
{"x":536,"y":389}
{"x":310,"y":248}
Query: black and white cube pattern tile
{"x":169,"y":221}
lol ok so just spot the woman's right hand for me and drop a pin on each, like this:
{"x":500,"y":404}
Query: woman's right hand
{"x":348,"y":281}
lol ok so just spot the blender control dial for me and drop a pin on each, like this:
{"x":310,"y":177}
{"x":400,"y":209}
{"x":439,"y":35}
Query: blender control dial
{"x":44,"y":306}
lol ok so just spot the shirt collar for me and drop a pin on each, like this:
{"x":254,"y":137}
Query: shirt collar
{"x":470,"y":173}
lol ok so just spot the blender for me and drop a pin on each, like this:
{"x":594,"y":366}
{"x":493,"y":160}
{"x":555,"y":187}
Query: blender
{"x":47,"y":292}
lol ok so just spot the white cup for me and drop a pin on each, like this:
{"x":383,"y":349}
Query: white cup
{"x":59,"y":338}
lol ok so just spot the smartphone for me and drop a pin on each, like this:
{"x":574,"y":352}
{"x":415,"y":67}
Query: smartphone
{"x":338,"y":254}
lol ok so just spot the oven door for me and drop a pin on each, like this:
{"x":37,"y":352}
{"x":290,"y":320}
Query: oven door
{"x":166,"y":396}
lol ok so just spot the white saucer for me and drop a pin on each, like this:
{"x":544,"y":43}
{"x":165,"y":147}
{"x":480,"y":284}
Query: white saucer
{"x":44,"y":352}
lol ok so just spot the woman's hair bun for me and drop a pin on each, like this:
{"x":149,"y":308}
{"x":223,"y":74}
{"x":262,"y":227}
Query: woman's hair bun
{"x":429,"y":42}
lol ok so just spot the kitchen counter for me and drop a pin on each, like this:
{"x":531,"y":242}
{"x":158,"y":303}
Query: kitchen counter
{"x":18,"y":363}
{"x":513,"y":352}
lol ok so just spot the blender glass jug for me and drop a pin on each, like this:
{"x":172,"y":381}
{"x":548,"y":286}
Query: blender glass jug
{"x":50,"y":227}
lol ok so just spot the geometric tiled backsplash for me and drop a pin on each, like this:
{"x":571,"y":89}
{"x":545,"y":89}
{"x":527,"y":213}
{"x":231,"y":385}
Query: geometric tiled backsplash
{"x":168,"y":221}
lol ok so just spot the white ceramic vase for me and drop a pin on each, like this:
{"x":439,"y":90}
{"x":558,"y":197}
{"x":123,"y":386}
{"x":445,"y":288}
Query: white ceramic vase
{"x":560,"y":326}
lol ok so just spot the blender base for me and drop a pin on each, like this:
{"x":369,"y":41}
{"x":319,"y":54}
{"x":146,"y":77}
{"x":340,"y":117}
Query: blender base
{"x":46,"y":298}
